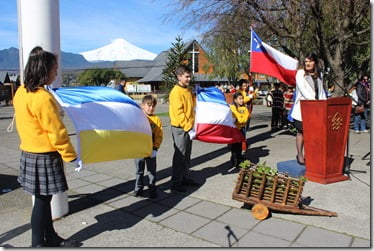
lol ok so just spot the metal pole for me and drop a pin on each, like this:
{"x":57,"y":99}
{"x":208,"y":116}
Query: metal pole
{"x":39,"y":25}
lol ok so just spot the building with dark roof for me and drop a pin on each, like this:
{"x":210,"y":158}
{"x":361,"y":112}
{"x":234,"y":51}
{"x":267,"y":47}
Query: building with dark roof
{"x":198,"y":62}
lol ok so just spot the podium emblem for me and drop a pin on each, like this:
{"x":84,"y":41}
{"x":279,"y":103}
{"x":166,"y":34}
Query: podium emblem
{"x":336,"y":122}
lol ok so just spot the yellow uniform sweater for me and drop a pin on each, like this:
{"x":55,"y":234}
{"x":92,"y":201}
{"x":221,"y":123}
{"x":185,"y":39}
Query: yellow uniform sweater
{"x":245,"y":97}
{"x":39,"y":124}
{"x":157,"y":133}
{"x":182,"y":108}
{"x":240,"y":114}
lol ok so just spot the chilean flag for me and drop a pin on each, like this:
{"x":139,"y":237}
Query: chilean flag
{"x":267,"y":60}
{"x":213,"y":118}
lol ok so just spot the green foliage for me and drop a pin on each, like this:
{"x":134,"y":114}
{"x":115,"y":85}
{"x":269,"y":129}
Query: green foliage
{"x":98,"y":77}
{"x":338,"y":31}
{"x":228,"y":47}
{"x":261,"y":168}
{"x":176,"y":57}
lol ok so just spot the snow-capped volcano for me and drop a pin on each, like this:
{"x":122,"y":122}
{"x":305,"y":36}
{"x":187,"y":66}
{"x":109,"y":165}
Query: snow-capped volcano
{"x":118,"y":50}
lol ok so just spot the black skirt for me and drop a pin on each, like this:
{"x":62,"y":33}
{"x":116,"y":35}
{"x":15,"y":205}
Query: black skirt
{"x":42,"y":173}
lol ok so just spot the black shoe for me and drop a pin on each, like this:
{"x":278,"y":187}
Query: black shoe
{"x":60,"y":242}
{"x":190,"y":182}
{"x":300,"y":163}
{"x":179,"y":188}
{"x":152,"y":194}
{"x":137,"y":193}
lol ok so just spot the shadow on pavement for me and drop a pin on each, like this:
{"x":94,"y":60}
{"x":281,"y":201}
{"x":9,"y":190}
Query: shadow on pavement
{"x":8,"y":183}
{"x":128,"y":216}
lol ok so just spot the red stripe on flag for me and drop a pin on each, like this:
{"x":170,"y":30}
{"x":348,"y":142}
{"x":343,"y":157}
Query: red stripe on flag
{"x":221,"y":134}
{"x":263,"y":63}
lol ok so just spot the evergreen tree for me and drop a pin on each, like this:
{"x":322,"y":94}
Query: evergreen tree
{"x":176,"y":57}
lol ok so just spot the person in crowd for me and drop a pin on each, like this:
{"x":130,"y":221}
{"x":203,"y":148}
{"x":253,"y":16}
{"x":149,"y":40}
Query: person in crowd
{"x":243,"y":85}
{"x":363,"y":98}
{"x":309,"y":86}
{"x":182,"y":117}
{"x":44,"y":144}
{"x":277,"y":102}
{"x":252,"y":93}
{"x":232,"y":88}
{"x":122,"y":85}
{"x":149,"y":103}
{"x":240,"y":114}
{"x":353,"y":94}
{"x":288,"y":103}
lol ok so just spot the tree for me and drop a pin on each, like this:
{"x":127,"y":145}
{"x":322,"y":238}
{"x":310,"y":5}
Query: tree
{"x":339,"y":31}
{"x":98,"y":77}
{"x":176,"y":57}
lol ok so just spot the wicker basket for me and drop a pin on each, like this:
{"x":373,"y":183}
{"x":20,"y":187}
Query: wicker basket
{"x":277,"y":190}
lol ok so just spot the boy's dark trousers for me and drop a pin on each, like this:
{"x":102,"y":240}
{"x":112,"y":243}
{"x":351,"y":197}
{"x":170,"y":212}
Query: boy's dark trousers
{"x":182,"y":155}
{"x":236,"y":154}
{"x":151,"y":167}
{"x":276,"y":117}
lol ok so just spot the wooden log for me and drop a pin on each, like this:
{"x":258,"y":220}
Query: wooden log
{"x":260,"y":211}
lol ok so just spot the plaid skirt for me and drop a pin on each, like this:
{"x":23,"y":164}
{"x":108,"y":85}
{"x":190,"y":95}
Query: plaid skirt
{"x":42,"y":173}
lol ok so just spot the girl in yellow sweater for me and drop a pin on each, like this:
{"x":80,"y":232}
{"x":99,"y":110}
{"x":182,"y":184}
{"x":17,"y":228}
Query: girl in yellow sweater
{"x":240,"y":114}
{"x":45,"y":144}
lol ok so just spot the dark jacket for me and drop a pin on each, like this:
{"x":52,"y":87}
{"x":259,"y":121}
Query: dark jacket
{"x":363,"y":94}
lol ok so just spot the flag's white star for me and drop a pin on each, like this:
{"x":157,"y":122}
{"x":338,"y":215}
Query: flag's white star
{"x":257,"y":43}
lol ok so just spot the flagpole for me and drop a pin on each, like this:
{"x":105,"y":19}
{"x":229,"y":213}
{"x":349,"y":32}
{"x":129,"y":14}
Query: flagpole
{"x":250,"y":50}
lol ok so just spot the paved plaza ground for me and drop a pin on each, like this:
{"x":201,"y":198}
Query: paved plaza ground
{"x":102,"y":212}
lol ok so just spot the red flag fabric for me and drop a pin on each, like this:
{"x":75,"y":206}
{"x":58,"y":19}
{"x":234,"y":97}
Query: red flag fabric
{"x":267,"y":60}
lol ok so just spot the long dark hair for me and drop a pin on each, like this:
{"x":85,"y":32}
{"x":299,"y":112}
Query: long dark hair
{"x":312,"y":56}
{"x":38,"y":68}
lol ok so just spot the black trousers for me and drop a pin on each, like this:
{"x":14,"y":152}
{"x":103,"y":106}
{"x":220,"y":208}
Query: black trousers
{"x":276,"y":117}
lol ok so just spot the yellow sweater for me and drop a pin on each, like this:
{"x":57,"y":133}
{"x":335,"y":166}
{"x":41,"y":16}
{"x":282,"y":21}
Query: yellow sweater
{"x":182,"y":108}
{"x":157,"y":133}
{"x":240,"y":114}
{"x":245,"y":97}
{"x":39,"y":124}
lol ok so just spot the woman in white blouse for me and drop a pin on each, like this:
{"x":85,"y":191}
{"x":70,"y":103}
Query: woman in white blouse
{"x":309,"y":86}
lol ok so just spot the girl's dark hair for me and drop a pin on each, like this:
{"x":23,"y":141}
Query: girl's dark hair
{"x":38,"y":68}
{"x":312,"y":56}
{"x":237,"y":94}
{"x":242,"y":80}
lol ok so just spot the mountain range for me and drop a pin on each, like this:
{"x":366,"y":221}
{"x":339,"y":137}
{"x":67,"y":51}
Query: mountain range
{"x":103,"y":57}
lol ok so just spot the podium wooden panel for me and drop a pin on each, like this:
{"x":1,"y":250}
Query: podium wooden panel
{"x":326,"y":128}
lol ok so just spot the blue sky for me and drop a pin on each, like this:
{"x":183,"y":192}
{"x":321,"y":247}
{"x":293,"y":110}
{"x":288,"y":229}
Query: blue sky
{"x":90,"y":24}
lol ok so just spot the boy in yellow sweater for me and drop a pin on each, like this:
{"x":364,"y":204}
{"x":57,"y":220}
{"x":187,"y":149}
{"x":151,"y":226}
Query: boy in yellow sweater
{"x":148,"y":106}
{"x":182,"y":117}
{"x":241,"y":115}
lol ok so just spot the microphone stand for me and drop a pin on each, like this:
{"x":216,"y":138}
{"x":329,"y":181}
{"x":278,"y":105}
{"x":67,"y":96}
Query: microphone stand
{"x":347,"y":163}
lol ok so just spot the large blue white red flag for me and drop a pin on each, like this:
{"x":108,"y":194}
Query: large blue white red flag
{"x":109,"y":124}
{"x":213,"y":118}
{"x":267,"y":60}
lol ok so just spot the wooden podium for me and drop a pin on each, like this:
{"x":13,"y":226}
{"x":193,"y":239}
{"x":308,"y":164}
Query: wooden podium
{"x":326,"y":128}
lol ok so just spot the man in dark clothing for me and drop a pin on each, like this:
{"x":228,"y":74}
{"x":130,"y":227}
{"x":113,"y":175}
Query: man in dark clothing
{"x":122,"y":86}
{"x":363,"y":96}
{"x":277,"y":107}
